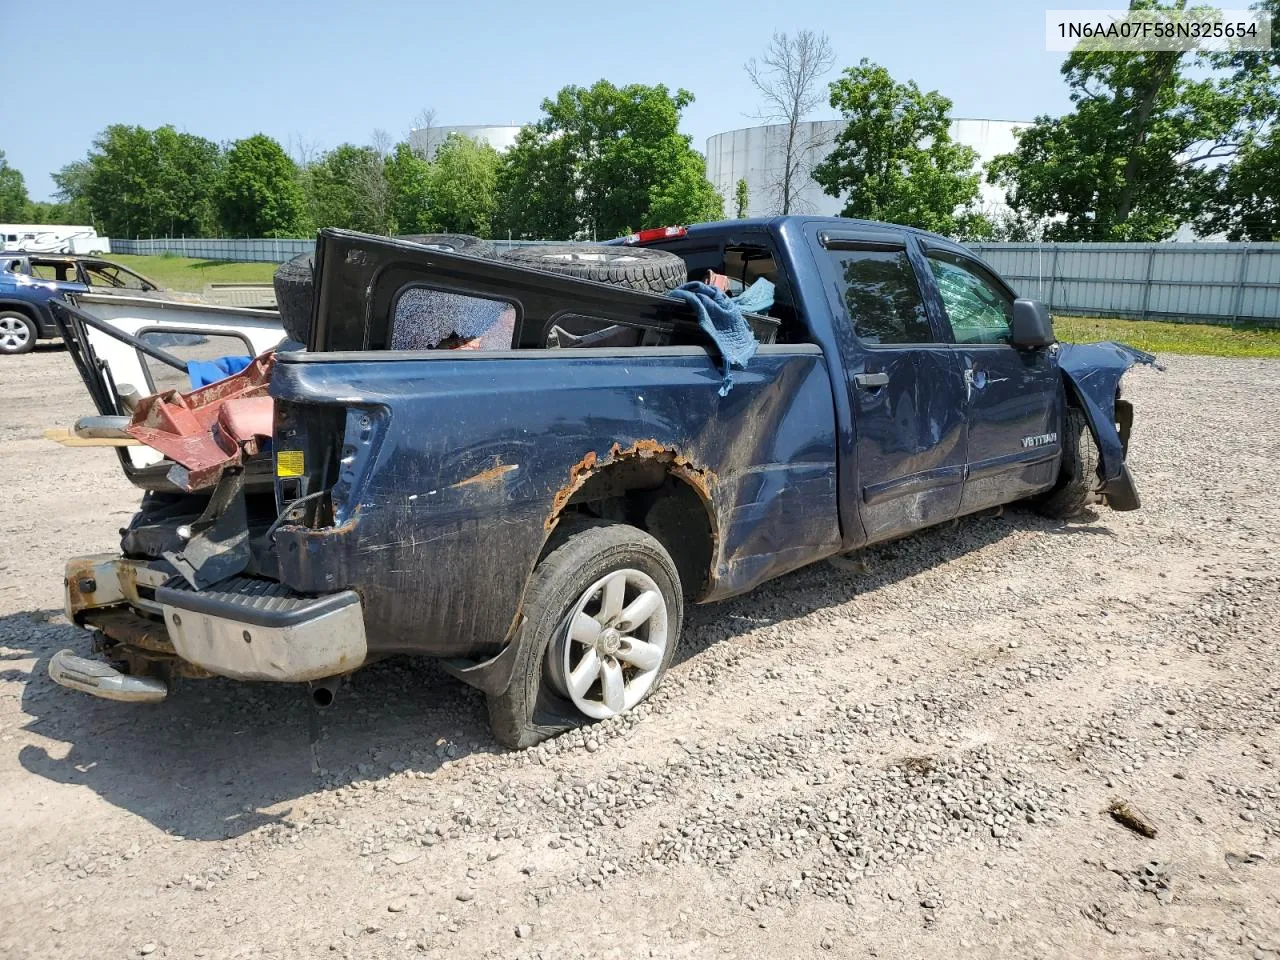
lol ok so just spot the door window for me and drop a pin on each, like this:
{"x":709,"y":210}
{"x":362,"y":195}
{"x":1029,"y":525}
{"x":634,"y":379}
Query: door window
{"x":978,"y":308}
{"x":881,"y":295}
{"x":63,"y":271}
{"x":110,"y":275}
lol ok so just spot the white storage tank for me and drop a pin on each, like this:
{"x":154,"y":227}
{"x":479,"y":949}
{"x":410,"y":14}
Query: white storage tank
{"x":428,"y":139}
{"x":756,"y":155}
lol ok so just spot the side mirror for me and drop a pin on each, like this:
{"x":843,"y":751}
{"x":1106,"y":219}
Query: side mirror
{"x":1032,"y":325}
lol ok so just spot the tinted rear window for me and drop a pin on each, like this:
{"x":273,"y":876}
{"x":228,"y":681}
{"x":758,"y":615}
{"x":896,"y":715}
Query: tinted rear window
{"x":882,"y":296}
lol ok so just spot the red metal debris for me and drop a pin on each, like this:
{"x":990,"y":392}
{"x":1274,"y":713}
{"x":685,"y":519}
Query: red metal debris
{"x":211,"y":428}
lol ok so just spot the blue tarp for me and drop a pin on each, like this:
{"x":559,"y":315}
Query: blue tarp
{"x":205,"y":372}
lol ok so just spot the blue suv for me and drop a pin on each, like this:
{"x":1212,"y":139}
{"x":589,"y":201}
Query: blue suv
{"x":29,"y":281}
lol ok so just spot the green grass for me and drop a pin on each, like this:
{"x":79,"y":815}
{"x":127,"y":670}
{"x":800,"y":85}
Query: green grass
{"x":185,"y":273}
{"x":1203,"y":339}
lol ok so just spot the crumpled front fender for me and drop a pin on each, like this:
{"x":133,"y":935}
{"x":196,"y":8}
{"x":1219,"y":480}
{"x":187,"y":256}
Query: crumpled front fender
{"x":1092,"y":372}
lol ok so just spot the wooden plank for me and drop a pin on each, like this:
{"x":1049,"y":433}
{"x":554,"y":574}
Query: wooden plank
{"x":68,"y":439}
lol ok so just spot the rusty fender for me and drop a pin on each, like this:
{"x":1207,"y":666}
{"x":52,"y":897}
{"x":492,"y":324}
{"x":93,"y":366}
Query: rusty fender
{"x":701,"y":479}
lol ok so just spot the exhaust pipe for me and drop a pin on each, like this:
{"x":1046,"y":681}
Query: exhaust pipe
{"x":323,"y":692}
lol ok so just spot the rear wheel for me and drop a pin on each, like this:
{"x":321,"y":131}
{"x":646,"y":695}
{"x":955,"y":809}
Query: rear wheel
{"x":1080,"y":480}
{"x":17,"y":333}
{"x":603,"y":616}
{"x":640,"y":268}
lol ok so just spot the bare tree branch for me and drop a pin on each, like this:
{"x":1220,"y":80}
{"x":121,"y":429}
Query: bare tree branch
{"x":788,"y":77}
{"x":424,"y":145}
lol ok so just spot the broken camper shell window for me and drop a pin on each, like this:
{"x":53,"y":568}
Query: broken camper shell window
{"x":424,"y":318}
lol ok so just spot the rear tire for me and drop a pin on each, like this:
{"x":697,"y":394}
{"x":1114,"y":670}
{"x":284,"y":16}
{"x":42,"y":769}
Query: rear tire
{"x":639,"y":268}
{"x":1080,"y":479}
{"x":18,"y":333}
{"x":294,"y":281}
{"x":539,"y":703}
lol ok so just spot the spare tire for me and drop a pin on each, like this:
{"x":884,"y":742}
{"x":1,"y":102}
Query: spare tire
{"x":293,"y":281}
{"x":640,"y":268}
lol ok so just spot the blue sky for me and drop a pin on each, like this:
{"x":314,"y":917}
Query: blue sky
{"x":328,"y":71}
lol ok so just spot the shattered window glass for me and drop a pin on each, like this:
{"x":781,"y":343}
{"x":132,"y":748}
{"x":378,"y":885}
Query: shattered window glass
{"x":977,"y":309}
{"x":427,"y":319}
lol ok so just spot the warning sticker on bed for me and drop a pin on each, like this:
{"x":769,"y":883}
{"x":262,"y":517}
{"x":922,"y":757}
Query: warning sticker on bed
{"x":289,"y":463}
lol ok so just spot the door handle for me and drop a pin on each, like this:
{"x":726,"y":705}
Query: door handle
{"x":870,"y":381}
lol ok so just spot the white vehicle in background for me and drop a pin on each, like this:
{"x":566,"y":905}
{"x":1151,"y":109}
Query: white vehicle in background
{"x":51,"y":238}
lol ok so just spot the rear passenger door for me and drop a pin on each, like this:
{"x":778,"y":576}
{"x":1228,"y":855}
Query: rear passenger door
{"x":1013,"y":398}
{"x":904,"y":383}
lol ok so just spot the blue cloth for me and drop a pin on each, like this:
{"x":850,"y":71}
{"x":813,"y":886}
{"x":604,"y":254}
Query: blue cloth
{"x":757,"y":298}
{"x":723,"y":321}
{"x":205,"y":372}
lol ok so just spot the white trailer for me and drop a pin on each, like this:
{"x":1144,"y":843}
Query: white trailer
{"x":51,"y":238}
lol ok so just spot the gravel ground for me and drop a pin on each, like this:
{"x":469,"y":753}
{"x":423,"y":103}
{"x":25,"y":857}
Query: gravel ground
{"x":906,"y":755}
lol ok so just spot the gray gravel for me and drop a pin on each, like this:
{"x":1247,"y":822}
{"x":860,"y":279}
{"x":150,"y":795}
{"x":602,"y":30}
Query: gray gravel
{"x":908,"y":753}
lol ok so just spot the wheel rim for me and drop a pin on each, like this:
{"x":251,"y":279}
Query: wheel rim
{"x":608,"y":655}
{"x":14,"y":333}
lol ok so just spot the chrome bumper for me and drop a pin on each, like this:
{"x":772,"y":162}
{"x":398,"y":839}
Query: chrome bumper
{"x":243,"y":628}
{"x":314,"y":638}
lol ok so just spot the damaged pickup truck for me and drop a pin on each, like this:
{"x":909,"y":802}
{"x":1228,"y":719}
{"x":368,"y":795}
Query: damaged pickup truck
{"x":535,"y":515}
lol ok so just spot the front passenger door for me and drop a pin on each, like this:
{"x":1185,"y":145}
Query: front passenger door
{"x":1013,"y":398}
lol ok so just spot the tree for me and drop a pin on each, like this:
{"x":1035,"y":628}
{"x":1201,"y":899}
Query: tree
{"x":13,"y":192}
{"x":1148,"y":141}
{"x":894,"y":159}
{"x":684,"y":195}
{"x":154,"y":182}
{"x":463,"y":186}
{"x":340,"y":185}
{"x":538,"y":187}
{"x":409,"y":181}
{"x":599,"y":160}
{"x":72,"y":183}
{"x":740,"y":199}
{"x":788,"y":77}
{"x":259,"y":194}
{"x":1245,"y":202}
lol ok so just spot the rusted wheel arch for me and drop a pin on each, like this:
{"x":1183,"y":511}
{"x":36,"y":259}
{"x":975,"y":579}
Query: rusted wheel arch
{"x":652,"y":487}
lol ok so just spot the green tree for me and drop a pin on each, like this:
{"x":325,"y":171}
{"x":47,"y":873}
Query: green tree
{"x":537,"y":187}
{"x":1245,"y":202}
{"x":740,"y":199}
{"x":894,"y":159}
{"x":152,"y":182}
{"x":409,"y":181}
{"x":72,"y":183}
{"x":684,"y":195}
{"x":463,"y":186}
{"x":1143,"y":146}
{"x":598,"y":161}
{"x":347,"y":187}
{"x":13,"y":192}
{"x":259,"y":194}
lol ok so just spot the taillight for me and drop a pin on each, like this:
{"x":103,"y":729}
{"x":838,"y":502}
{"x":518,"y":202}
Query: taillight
{"x":657,"y":233}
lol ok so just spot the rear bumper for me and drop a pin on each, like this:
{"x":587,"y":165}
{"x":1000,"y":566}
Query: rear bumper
{"x":243,"y":628}
{"x":252,"y":629}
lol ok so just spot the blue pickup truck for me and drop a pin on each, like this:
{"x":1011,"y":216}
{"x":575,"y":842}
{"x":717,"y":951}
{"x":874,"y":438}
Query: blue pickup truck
{"x":535,"y":517}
